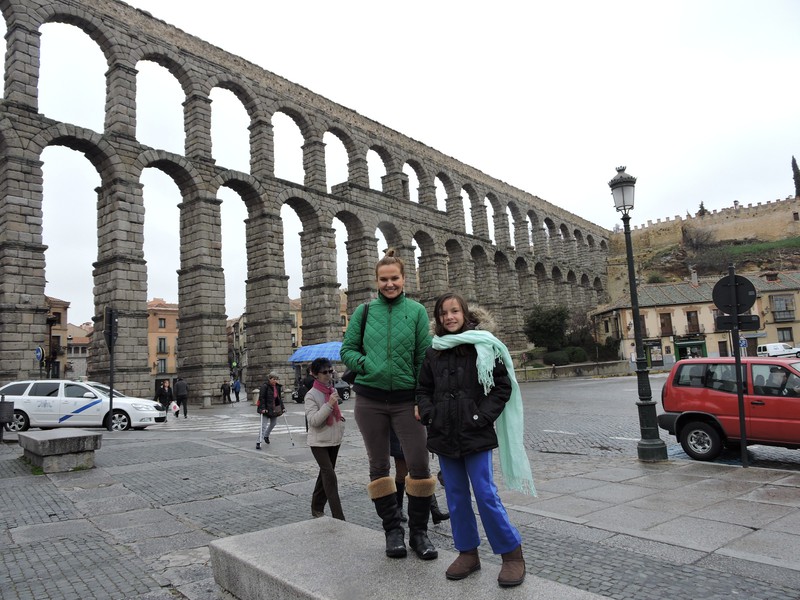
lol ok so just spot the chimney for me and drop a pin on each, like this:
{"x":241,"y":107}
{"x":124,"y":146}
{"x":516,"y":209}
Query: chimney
{"x":694,"y":278}
{"x":735,"y":205}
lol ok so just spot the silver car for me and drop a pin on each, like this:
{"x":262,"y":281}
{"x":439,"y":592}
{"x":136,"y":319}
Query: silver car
{"x":50,"y":403}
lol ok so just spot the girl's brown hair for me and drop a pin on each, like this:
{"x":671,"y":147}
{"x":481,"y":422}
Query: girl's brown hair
{"x":437,"y":312}
{"x":390,"y":259}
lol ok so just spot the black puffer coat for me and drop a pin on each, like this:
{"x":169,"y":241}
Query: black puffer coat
{"x":452,"y":402}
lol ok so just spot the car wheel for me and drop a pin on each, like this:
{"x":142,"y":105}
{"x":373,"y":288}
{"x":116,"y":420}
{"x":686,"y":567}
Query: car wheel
{"x":701,"y":441}
{"x":345,"y":395}
{"x":121,"y":421}
{"x":19,"y":422}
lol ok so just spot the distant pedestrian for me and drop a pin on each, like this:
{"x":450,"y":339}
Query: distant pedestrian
{"x":164,"y":395}
{"x":237,"y":386}
{"x":325,"y":433}
{"x":181,"y":396}
{"x":270,"y":404}
{"x":225,"y":388}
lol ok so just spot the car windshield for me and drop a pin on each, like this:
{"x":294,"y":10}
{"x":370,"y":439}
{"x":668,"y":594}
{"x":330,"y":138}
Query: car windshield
{"x":104,"y":389}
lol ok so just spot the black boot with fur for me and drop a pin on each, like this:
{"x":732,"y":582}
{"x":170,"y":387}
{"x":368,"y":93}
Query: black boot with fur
{"x":383,"y":493}
{"x":419,"y":509}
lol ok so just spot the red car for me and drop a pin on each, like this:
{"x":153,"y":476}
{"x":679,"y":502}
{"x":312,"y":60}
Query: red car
{"x":701,"y":405}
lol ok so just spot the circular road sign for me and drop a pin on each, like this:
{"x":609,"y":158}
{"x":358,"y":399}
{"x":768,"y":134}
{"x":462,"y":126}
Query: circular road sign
{"x":723,"y":296}
{"x":39,"y":353}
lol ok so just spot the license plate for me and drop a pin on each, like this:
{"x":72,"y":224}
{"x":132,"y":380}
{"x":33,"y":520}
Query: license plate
{"x":163,"y":413}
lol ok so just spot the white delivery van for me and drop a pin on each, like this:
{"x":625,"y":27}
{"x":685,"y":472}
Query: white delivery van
{"x":781,"y":349}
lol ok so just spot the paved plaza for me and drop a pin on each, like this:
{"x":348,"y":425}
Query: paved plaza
{"x":139,"y":524}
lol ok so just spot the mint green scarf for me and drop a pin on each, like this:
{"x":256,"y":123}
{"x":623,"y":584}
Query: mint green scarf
{"x":509,"y":425}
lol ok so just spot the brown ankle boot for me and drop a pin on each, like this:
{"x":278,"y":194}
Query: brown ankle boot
{"x":513,"y":570}
{"x":467,"y":562}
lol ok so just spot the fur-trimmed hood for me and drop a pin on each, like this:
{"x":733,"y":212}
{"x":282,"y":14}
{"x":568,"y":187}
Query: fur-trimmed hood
{"x":480,"y":318}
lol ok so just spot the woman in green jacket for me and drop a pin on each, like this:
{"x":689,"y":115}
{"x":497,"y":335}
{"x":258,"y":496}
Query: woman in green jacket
{"x":386,"y":362}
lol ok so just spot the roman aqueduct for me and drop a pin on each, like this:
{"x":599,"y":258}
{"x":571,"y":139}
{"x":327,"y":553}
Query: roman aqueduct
{"x":553,"y":254}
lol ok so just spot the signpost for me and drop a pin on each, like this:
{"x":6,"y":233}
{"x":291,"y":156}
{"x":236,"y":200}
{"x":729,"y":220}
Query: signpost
{"x":734,"y":295}
{"x":110,"y":323}
{"x":39,"y":354}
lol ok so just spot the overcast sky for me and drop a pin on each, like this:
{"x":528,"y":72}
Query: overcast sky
{"x":698,"y":98}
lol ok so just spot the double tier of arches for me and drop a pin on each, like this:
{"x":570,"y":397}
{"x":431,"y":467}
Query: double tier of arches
{"x":544,"y":255}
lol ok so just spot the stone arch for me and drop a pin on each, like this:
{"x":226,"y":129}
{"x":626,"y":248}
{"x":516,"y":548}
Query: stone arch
{"x":508,"y":302}
{"x":432,"y":271}
{"x":460,"y":270}
{"x":86,"y":22}
{"x":544,"y":285}
{"x":529,"y":292}
{"x":485,"y":276}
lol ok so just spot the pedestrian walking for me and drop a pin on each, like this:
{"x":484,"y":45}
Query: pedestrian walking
{"x":181,"y":397}
{"x":270,"y":404}
{"x":466,"y":386}
{"x":164,"y":395}
{"x":237,"y":387}
{"x":386,"y":360}
{"x":225,"y":388}
{"x":325,"y":433}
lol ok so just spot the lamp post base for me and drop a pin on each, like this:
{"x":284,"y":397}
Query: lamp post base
{"x":651,"y":450}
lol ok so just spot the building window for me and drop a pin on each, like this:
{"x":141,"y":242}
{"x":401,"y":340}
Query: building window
{"x":607,"y":326}
{"x":785,"y":335}
{"x":666,"y":324}
{"x":162,"y":345}
{"x":162,"y":365}
{"x":57,"y":318}
{"x":782,"y":307}
{"x":294,"y":319}
{"x":692,"y":322}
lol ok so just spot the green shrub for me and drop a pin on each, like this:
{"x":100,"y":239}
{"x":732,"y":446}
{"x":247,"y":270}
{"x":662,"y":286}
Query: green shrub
{"x":576,"y":354}
{"x":558,"y":358}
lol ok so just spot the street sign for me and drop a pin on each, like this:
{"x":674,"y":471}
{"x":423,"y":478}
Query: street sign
{"x":742,"y":342}
{"x":39,"y":353}
{"x":723,"y":298}
{"x":743,"y":322}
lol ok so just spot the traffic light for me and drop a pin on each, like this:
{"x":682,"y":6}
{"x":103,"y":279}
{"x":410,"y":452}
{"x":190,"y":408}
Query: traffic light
{"x":110,"y":326}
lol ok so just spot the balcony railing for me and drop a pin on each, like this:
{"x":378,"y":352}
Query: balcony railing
{"x":695,"y":328}
{"x":667,"y":331}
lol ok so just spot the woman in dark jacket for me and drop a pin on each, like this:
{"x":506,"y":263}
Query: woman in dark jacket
{"x":270,"y":404}
{"x":464,"y":387}
{"x":164,"y":395}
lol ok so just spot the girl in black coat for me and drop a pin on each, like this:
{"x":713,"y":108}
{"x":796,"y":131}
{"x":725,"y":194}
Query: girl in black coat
{"x":462,"y":390}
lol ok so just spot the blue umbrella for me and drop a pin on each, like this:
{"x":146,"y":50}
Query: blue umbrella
{"x":329,"y":350}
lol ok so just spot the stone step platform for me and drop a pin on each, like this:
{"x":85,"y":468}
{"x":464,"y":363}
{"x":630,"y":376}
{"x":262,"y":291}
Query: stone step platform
{"x":327,"y":559}
{"x":59,"y":450}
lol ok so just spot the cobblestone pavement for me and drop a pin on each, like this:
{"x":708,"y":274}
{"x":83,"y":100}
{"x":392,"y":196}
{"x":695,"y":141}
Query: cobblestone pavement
{"x":138,"y":525}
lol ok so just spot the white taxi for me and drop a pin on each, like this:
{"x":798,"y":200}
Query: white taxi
{"x":49,"y":403}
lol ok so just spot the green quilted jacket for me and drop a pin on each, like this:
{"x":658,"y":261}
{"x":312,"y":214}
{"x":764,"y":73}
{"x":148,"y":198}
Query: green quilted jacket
{"x":395,"y":339}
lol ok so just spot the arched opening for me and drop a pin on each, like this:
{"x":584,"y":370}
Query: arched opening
{"x":230,"y":137}
{"x":288,"y":143}
{"x":159,"y":108}
{"x":335,"y":160}
{"x":72,"y":84}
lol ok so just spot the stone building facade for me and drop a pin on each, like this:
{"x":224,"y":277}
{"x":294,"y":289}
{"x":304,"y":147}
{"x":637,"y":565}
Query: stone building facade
{"x":554,"y":255}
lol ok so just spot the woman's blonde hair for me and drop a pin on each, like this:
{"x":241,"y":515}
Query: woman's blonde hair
{"x":390,"y":259}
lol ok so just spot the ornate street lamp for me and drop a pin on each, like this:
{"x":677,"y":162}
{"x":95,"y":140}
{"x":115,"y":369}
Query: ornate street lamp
{"x":651,"y":447}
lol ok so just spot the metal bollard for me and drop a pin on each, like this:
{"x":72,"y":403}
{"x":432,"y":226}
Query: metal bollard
{"x":6,"y":414}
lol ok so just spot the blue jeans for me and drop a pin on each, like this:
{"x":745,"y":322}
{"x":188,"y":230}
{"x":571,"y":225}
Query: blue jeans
{"x":267,"y":425}
{"x":476,"y":469}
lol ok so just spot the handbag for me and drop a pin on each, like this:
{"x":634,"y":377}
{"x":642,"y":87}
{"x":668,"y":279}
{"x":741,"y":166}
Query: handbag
{"x":349,"y":376}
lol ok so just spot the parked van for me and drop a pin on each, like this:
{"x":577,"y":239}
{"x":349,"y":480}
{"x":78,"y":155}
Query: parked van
{"x":777,"y":350}
{"x":701,"y":404}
